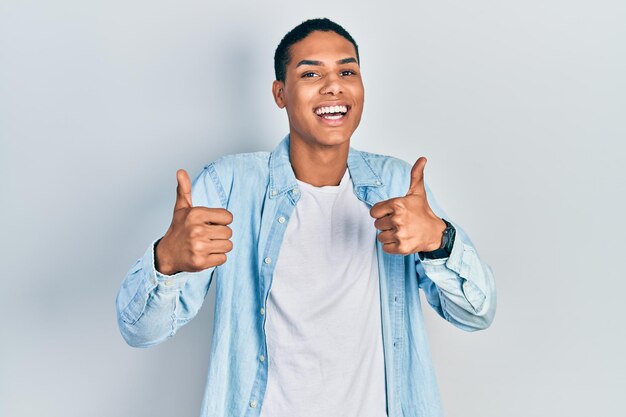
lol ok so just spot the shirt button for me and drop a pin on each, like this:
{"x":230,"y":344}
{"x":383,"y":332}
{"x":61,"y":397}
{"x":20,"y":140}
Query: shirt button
{"x":281,"y":220}
{"x":295,"y":191}
{"x":252,"y":404}
{"x":168,"y":282}
{"x":262,"y":311}
{"x":262,"y":358}
{"x":274,"y":192}
{"x":268,"y":260}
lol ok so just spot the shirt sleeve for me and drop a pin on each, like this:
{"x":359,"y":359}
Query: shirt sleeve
{"x":152,"y":306}
{"x":461,"y":287}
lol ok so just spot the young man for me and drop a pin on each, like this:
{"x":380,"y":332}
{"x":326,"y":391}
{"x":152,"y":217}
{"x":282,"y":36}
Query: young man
{"x":317,"y":251}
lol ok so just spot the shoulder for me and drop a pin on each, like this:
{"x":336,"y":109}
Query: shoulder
{"x":386,"y":166}
{"x":231,"y":173}
{"x":394,"y":173}
{"x":231,"y":167}
{"x":238,"y":160}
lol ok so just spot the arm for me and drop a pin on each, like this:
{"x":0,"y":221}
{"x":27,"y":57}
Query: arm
{"x":459,"y":287}
{"x":152,"y":306}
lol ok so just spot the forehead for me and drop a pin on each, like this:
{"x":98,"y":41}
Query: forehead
{"x":321,"y":46}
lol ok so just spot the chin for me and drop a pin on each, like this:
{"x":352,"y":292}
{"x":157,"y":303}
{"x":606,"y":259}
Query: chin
{"x":333,"y":139}
{"x":325,"y":137}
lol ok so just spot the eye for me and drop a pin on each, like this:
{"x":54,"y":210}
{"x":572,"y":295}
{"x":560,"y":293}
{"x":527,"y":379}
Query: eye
{"x":347,"y":72}
{"x":309,"y":74}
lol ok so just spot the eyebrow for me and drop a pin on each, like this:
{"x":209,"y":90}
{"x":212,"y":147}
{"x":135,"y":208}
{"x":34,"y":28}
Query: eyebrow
{"x":321,"y":64}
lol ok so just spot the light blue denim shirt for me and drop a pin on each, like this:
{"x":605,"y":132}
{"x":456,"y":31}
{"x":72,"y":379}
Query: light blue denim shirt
{"x":261,"y":191}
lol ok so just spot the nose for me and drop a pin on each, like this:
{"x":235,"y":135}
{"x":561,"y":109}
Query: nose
{"x":332,"y":85}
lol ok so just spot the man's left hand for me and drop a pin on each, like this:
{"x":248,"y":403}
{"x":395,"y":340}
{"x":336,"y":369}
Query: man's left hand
{"x":407,"y":224}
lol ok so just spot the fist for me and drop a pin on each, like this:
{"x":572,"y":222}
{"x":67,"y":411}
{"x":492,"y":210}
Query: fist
{"x":407,"y":224}
{"x":198,"y":237}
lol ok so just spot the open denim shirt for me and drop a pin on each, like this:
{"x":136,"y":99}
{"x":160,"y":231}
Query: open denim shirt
{"x":261,"y":191}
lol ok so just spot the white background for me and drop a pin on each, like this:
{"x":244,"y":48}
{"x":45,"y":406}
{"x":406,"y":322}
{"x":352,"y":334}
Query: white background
{"x":519,"y":106}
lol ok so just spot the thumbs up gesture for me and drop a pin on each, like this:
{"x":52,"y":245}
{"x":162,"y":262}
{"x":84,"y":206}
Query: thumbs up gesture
{"x":407,"y":224}
{"x":198,"y":237}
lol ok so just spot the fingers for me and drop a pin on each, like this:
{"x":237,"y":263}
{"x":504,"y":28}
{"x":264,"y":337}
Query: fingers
{"x":219,"y":232}
{"x":381,"y":209}
{"x":387,"y":237}
{"x":216,"y":216}
{"x":384,"y":223}
{"x":417,"y":177}
{"x":208,"y":261}
{"x":220,"y":246}
{"x":206,"y":232}
{"x":198,"y":237}
{"x":216,"y":259}
{"x":183,"y":190}
{"x":203,"y":248}
{"x":394,"y":248}
{"x":392,"y":244}
{"x":208,"y":253}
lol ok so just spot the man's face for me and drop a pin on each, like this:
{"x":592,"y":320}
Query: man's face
{"x":323,"y":90}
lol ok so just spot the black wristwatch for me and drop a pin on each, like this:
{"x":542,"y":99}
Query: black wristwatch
{"x":447,"y":241}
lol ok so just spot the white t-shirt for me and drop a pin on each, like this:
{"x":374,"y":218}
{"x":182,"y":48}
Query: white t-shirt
{"x":324,"y":335}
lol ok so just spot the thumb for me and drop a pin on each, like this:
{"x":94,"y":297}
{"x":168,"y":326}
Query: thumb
{"x":183,"y":191}
{"x":417,"y":177}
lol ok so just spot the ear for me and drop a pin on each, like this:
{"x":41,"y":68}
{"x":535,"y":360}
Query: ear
{"x":279,"y":93}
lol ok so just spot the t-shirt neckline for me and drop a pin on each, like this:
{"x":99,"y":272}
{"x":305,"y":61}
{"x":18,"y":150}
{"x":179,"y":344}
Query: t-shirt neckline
{"x":332,"y":189}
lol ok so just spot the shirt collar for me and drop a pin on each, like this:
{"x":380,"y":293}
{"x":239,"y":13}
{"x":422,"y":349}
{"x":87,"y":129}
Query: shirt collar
{"x":282,"y":178}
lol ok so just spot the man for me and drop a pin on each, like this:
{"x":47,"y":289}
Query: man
{"x":317,"y":251}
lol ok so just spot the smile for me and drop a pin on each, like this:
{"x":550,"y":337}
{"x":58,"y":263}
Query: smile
{"x":331,"y":112}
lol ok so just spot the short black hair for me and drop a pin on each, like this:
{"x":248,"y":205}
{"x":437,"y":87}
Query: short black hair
{"x":282,"y":54}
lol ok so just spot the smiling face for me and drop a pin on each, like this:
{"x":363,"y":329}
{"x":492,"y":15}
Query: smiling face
{"x":323,"y":90}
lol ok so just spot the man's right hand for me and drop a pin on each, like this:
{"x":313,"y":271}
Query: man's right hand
{"x":198,"y":237}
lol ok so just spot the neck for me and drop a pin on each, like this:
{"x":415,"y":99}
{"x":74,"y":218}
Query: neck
{"x":318,"y":165}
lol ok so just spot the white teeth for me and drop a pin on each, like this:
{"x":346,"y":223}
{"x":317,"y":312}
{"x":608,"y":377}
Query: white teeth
{"x":331,"y":109}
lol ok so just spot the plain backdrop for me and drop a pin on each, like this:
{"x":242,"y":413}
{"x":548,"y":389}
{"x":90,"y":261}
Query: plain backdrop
{"x":520,"y":108}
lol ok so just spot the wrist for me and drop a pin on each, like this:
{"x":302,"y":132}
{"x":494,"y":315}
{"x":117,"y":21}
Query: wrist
{"x":438,"y":238}
{"x":162,"y":262}
{"x":448,"y":235}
